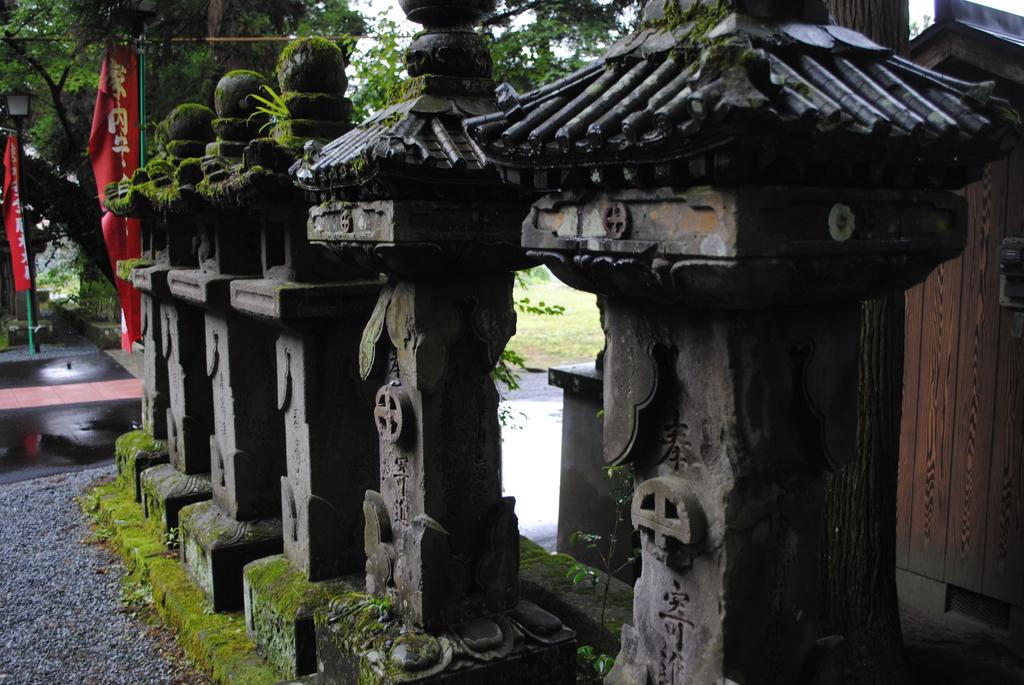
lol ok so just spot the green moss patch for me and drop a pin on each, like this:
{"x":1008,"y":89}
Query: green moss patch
{"x":190,"y":121}
{"x":312,"y":65}
{"x":318,"y":106}
{"x":280,"y":604}
{"x":136,"y":441}
{"x":216,"y":643}
{"x":126,"y":266}
{"x":231,"y":97}
{"x":544,"y":580}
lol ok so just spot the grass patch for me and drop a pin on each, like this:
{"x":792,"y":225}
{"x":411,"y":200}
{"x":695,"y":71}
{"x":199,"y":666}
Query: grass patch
{"x":546,"y":341}
{"x":4,"y":339}
{"x":216,"y":643}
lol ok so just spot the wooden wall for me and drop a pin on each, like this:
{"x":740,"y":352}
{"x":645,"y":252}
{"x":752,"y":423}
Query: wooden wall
{"x":961,"y":490}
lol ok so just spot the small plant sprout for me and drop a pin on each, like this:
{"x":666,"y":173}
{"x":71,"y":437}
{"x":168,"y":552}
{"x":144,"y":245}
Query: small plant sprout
{"x":622,"y":490}
{"x":274,"y":107}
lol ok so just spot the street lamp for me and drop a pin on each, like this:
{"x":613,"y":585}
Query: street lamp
{"x":19,"y":106}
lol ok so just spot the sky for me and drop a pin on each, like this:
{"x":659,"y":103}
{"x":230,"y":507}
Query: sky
{"x":919,"y":9}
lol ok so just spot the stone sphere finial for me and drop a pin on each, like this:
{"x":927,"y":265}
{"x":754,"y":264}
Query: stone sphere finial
{"x":449,"y":46}
{"x":446,"y":13}
{"x":189,"y":121}
{"x":312,"y":65}
{"x":231,"y":98}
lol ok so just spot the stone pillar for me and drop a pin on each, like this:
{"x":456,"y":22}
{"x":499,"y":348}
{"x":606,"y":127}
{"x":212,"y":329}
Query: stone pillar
{"x":190,"y":403}
{"x":328,"y":434}
{"x":730,"y":420}
{"x":735,"y":177}
{"x":247,"y":445}
{"x":444,"y":557}
{"x":154,"y":371}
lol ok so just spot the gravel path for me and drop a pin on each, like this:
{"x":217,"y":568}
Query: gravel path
{"x":61,"y":616}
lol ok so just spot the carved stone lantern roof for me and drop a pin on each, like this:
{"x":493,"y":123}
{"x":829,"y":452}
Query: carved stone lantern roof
{"x":746,"y":91}
{"x":408,"y":192}
{"x":417,"y":147}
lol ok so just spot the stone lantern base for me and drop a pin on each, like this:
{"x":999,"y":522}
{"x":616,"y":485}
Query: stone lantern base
{"x":280,"y":604}
{"x":357,"y":641}
{"x":166,"y":490}
{"x":130,"y":467}
{"x":215,"y":548}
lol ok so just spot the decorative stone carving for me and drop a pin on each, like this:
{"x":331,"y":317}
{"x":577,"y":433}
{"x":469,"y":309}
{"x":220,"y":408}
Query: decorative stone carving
{"x":441,"y":556}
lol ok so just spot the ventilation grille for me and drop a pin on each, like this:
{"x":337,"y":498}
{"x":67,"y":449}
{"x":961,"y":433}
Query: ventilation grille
{"x":978,"y":607}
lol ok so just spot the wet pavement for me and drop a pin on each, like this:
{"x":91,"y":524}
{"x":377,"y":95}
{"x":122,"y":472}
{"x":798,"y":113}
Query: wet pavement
{"x":81,"y":368}
{"x":531,"y":456}
{"x":41,"y":441}
{"x":62,"y":413}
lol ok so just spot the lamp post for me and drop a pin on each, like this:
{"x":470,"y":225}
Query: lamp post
{"x":19,"y":107}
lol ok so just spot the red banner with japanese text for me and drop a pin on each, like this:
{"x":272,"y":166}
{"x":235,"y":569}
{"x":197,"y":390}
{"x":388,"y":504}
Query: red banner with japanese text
{"x":14,"y":220}
{"x":114,"y":150}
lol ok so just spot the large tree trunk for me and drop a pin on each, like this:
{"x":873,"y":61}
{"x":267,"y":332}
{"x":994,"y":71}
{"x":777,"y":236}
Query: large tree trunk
{"x":860,"y":511}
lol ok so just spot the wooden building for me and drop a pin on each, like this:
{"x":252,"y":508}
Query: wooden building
{"x":960,"y":539}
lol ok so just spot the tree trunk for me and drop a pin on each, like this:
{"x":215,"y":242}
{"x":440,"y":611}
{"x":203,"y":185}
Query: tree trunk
{"x":859,"y":594}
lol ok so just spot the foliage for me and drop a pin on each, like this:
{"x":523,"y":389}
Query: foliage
{"x":534,"y":42}
{"x":591,"y":666}
{"x":273,"y":107}
{"x":172,"y":538}
{"x":621,"y":478}
{"x":378,"y":69}
{"x":917,"y":27}
{"x":511,"y":363}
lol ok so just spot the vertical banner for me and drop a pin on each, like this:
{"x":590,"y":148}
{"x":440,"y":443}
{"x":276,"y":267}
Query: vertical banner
{"x":14,"y":222}
{"x":114,"y":148}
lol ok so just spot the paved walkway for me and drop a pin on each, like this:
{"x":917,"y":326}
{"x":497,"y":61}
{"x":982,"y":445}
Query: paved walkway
{"x":70,"y":393}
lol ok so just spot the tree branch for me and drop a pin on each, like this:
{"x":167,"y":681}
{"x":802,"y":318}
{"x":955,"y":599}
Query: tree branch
{"x":55,"y":89}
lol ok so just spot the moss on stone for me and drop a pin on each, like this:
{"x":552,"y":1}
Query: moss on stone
{"x":127,"y":446}
{"x":231,"y":96}
{"x":285,"y":587}
{"x":160,"y":167}
{"x":544,"y":580}
{"x":126,"y":266}
{"x":189,"y":172}
{"x":361,"y":623}
{"x":407,"y":89}
{"x":311,"y":128}
{"x":312,"y":65}
{"x":189,"y":121}
{"x":324,"y":106}
{"x":700,"y":18}
{"x":184,"y":149}
{"x":137,"y":441}
{"x":230,"y":189}
{"x":216,"y":643}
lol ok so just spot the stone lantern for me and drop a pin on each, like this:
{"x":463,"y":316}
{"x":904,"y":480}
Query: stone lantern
{"x":409,"y":193}
{"x":735,"y":176}
{"x":266,"y":330}
{"x":177,"y":405}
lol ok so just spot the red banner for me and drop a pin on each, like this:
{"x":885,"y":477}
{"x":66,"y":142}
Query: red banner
{"x":114,"y":151}
{"x":14,"y":222}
